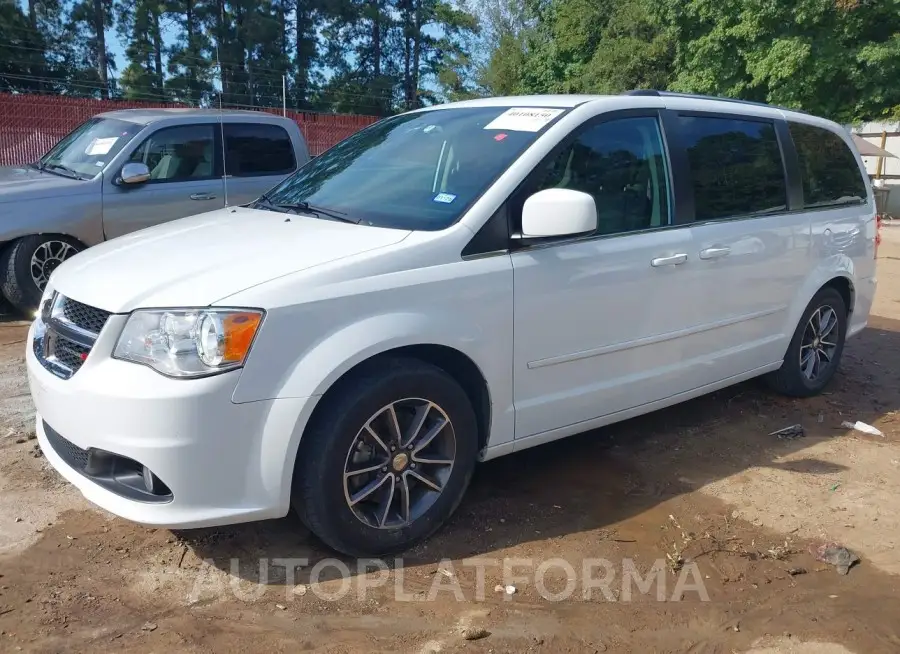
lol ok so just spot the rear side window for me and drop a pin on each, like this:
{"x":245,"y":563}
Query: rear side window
{"x":257,"y":149}
{"x":828,"y":168}
{"x":736,"y":167}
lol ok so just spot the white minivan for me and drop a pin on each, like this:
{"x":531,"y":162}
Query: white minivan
{"x":448,"y":286}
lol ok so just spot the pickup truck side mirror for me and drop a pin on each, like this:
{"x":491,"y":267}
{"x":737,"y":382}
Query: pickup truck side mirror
{"x":557,"y":212}
{"x":134,"y":173}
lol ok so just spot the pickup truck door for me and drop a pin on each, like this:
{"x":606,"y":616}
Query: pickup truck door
{"x":257,"y":157}
{"x":185,"y":179}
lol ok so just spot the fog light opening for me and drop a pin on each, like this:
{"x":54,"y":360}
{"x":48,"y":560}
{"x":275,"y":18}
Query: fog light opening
{"x":152,"y":483}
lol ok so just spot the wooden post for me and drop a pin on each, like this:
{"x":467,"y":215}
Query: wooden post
{"x":880,"y":165}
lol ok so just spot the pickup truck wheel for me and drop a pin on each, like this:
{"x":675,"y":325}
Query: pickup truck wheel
{"x":815,"y":351}
{"x":387,"y":459}
{"x":26,"y":265}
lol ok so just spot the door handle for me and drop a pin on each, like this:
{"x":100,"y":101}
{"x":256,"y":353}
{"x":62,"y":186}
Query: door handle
{"x":672,"y":260}
{"x":202,"y":196}
{"x":715,"y":253}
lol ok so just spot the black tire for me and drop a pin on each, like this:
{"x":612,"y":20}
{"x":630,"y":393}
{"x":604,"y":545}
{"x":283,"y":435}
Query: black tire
{"x":790,"y":378}
{"x":16,"y":279}
{"x":318,"y":489}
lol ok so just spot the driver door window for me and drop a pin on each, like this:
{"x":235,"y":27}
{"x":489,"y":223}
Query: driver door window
{"x":622,"y":164}
{"x":178,"y":154}
{"x":185,"y":179}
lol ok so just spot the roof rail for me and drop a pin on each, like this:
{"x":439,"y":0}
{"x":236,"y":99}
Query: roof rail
{"x":697,"y":96}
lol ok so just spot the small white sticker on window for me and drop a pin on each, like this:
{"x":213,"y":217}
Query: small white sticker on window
{"x":444,"y":198}
{"x":101,"y":146}
{"x":523,"y":119}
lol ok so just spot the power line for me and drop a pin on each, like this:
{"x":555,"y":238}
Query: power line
{"x":155,"y":99}
{"x":99,"y":87}
{"x":229,"y":65}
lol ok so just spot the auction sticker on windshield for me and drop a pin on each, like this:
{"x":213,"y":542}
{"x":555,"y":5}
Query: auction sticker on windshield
{"x":101,"y":146}
{"x":523,"y":119}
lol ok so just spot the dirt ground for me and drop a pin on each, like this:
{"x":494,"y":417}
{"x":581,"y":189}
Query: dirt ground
{"x":730,"y":512}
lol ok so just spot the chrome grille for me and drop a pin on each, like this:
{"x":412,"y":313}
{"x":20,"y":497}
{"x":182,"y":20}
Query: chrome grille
{"x":68,"y":331}
{"x":83,"y":316}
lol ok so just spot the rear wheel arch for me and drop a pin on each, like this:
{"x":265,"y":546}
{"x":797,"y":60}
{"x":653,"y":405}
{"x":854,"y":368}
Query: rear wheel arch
{"x":808,"y":337}
{"x":844,"y":286}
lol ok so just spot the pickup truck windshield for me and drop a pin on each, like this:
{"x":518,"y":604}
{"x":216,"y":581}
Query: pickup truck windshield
{"x":86,"y":150}
{"x":416,"y":171}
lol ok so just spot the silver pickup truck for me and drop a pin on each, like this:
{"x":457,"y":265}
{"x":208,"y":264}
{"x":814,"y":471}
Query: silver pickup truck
{"x":125,"y":170}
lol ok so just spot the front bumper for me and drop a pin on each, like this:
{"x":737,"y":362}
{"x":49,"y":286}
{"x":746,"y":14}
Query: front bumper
{"x":220,"y":462}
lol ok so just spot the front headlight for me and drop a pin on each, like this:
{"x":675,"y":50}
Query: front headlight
{"x":189,"y":342}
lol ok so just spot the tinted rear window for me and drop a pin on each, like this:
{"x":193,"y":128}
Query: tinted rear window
{"x":257,"y":149}
{"x":828,"y":168}
{"x":736,"y":167}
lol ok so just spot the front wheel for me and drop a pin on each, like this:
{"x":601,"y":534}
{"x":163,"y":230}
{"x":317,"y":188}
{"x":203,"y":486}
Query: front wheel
{"x":815,"y":351}
{"x":387,"y":459}
{"x":26,"y":266}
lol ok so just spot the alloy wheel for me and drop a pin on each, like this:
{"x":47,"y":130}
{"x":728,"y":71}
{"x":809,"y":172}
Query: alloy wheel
{"x":820,"y":342}
{"x":46,"y":258}
{"x":399,"y":463}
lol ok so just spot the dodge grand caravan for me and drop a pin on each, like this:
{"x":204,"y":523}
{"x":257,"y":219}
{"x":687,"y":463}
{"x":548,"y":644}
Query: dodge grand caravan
{"x":448,"y":286}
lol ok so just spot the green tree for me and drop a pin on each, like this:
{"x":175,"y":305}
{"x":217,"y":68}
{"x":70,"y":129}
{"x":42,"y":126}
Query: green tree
{"x":19,"y":59}
{"x":636,"y":50}
{"x":89,"y":62}
{"x":837,"y":58}
{"x":307,"y":14}
{"x":139,"y":26}
{"x":190,"y":67}
{"x":433,"y":46}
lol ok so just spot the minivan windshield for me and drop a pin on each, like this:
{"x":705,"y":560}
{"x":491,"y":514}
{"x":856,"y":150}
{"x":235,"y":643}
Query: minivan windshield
{"x":416,"y":171}
{"x":86,"y":150}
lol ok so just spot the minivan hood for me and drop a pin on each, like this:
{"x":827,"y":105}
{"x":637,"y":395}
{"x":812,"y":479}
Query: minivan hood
{"x":24,"y":183}
{"x":196,"y":261}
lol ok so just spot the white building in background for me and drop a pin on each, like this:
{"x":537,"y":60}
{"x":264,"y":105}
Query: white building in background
{"x":890,"y":168}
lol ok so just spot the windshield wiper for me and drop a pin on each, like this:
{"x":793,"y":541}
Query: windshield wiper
{"x":265,"y":203}
{"x":305,"y":207}
{"x":59,"y":168}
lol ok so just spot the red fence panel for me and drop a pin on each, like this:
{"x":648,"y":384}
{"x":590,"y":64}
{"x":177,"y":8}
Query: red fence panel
{"x":31,"y":124}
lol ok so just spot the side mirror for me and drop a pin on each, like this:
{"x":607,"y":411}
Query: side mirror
{"x":134,"y":173}
{"x":558,"y":212}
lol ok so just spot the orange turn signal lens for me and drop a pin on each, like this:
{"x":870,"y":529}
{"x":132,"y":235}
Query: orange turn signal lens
{"x":240,"y":329}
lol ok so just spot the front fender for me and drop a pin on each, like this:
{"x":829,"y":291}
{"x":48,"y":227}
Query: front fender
{"x":79,"y":216}
{"x":315,"y":331}
{"x":312,"y":374}
{"x":326,"y":360}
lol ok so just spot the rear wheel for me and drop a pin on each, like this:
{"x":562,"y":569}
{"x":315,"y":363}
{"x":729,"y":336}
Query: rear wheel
{"x":26,"y":266}
{"x":815,"y":351}
{"x":387,"y":459}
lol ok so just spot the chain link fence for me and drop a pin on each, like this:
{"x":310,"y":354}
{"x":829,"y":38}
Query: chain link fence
{"x":31,"y":124}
